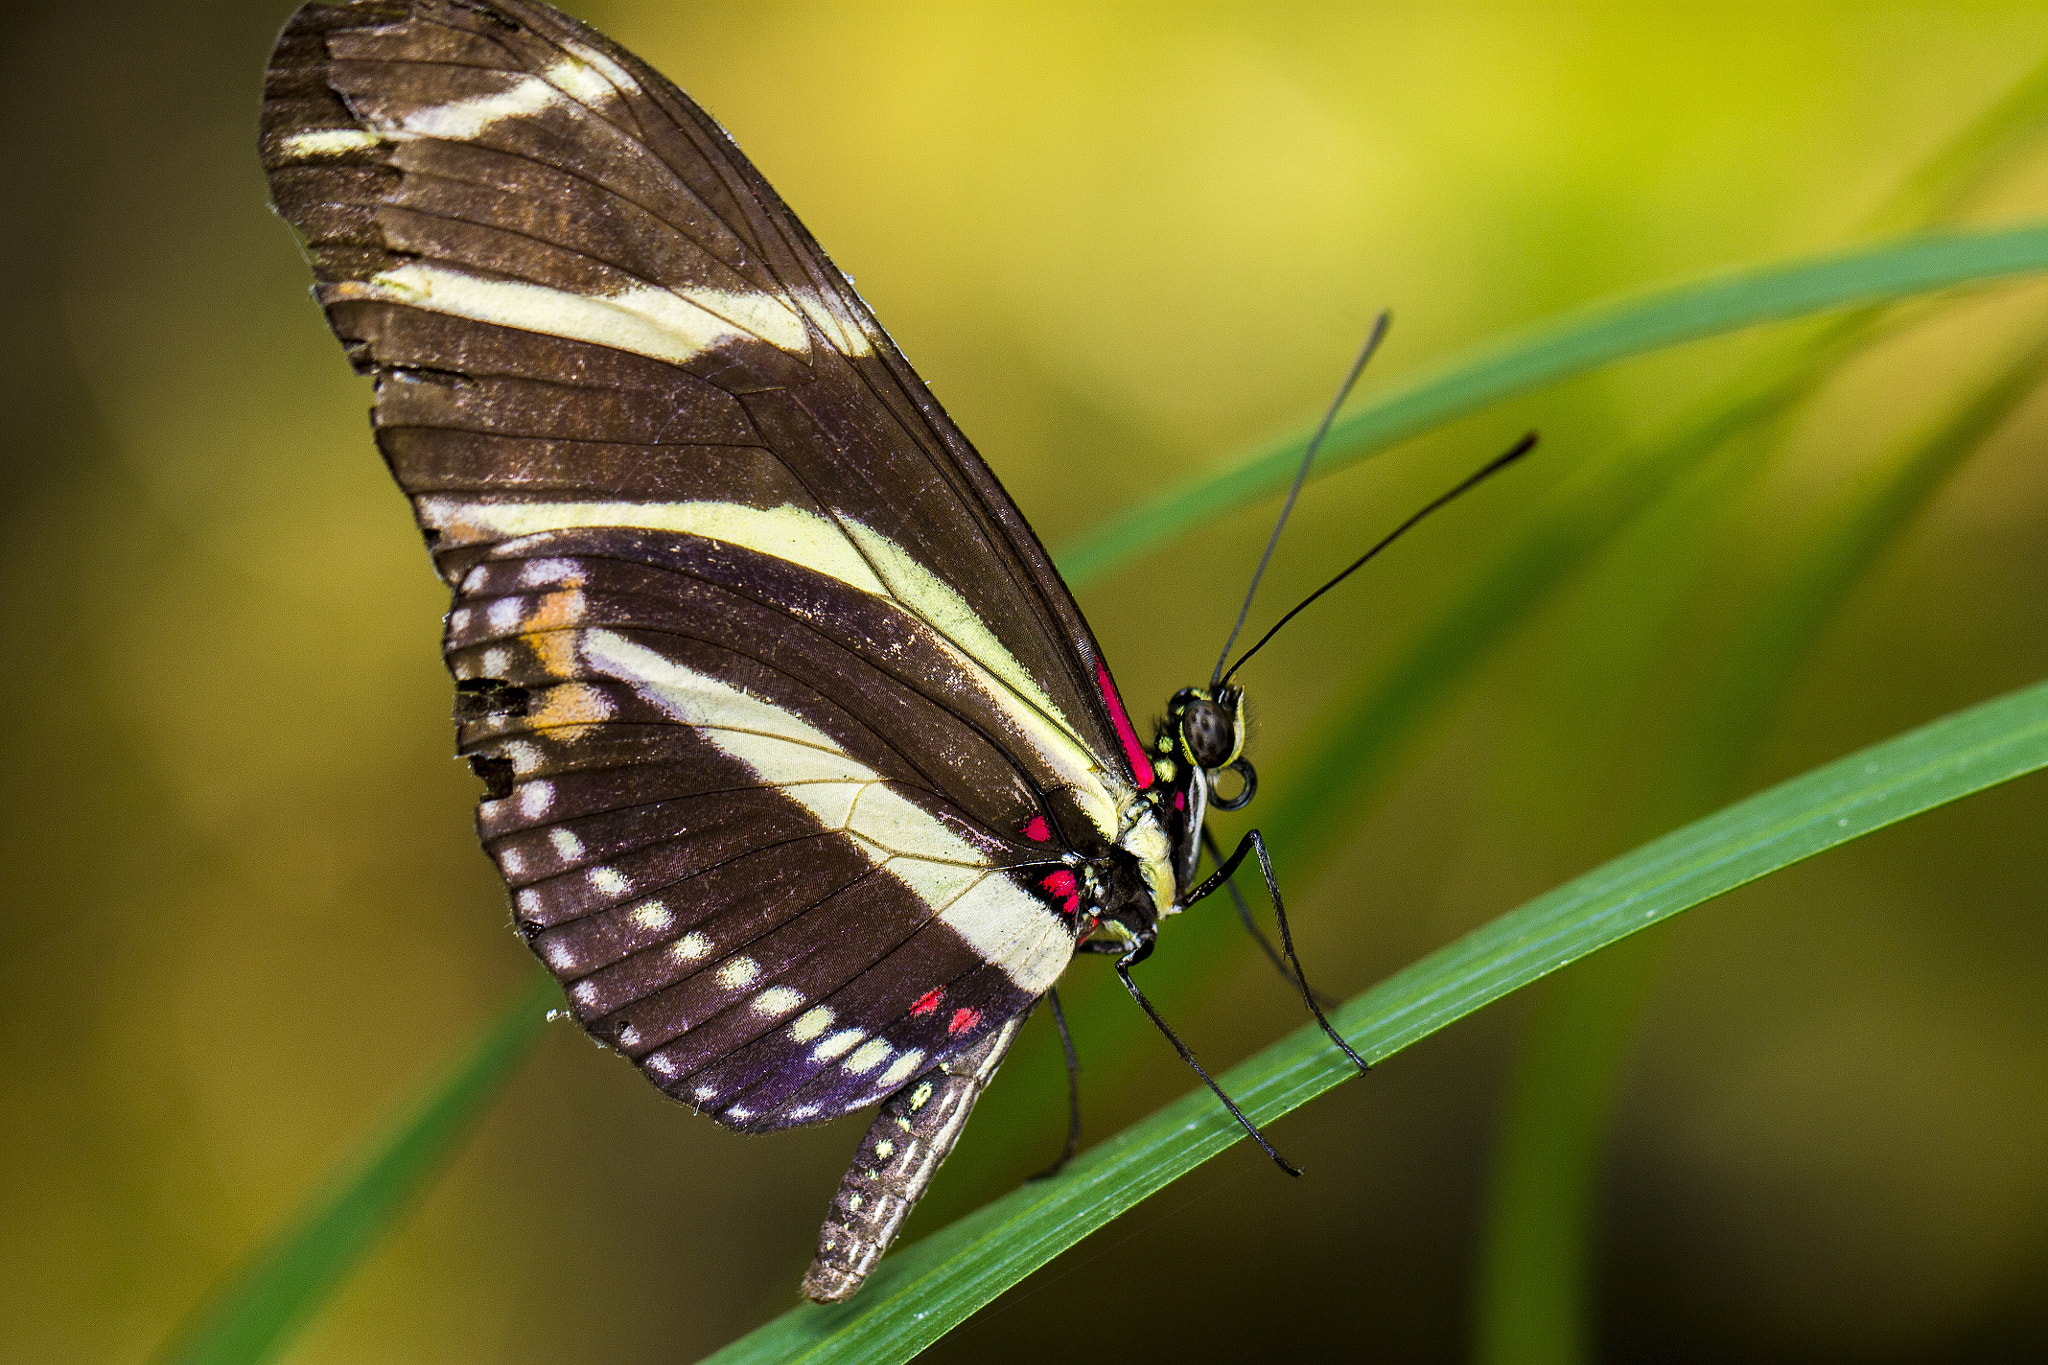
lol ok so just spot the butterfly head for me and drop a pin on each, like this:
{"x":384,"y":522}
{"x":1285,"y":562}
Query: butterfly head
{"x":1204,"y":730}
{"x":1200,"y":738}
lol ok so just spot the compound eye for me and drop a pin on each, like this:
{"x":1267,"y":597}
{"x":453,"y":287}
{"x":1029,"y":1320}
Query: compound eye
{"x":1210,"y":732}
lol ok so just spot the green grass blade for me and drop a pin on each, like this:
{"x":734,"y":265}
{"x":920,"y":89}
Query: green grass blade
{"x":1572,"y":346}
{"x":1988,"y":146}
{"x":257,"y":1313}
{"x":1320,"y":790}
{"x":1357,"y":739}
{"x":1534,"y":1296}
{"x":920,"y":1294}
{"x":1753,"y":677}
{"x":1533,"y":1301}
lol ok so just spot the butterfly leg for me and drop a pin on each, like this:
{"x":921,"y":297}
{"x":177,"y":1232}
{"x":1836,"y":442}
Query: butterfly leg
{"x":1244,"y":915}
{"x":1123,"y":969}
{"x":1256,"y":843}
{"x":1073,"y":1144}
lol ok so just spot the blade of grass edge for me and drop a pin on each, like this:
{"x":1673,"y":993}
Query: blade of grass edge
{"x":1752,"y":679}
{"x":262,"y":1307}
{"x":1543,"y":1186}
{"x":918,"y":1295}
{"x":1572,"y":345}
{"x":1534,"y":1291}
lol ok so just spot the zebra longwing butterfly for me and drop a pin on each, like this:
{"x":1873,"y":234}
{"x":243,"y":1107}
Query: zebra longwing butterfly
{"x":805,"y":773}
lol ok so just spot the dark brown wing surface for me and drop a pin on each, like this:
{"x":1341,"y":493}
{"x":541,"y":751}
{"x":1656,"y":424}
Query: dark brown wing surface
{"x":782,"y":707}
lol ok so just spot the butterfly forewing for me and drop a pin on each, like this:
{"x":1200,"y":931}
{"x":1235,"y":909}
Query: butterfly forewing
{"x":782,"y":711}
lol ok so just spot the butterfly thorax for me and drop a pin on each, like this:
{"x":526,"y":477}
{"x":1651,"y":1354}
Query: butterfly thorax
{"x":1201,"y":736}
{"x":1131,"y":887}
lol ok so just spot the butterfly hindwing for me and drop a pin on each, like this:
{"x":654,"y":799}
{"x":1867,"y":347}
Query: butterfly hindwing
{"x":720,"y":794}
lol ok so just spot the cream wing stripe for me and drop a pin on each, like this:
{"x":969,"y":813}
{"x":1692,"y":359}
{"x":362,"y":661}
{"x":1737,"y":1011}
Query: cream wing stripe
{"x":1002,"y":922}
{"x":857,"y":556}
{"x":947,"y":612}
{"x":589,"y":75}
{"x":329,"y":142}
{"x":651,"y":320}
{"x":672,"y":325}
{"x":590,"y":81}
{"x":460,"y":120}
{"x":675,"y":325}
{"x":787,"y":532}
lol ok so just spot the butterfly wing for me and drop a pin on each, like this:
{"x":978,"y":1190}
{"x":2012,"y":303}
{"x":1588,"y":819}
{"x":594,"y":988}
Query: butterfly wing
{"x":783,"y":711}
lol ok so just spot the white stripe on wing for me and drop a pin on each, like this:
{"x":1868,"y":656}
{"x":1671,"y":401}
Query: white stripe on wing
{"x":1000,"y":920}
{"x":843,"y":549}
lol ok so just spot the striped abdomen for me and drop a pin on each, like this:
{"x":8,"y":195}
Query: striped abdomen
{"x":896,"y":1162}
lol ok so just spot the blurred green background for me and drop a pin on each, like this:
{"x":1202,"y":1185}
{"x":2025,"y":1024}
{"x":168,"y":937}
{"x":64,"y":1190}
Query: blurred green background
{"x":247,"y":916}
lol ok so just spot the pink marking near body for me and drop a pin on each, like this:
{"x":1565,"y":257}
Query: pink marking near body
{"x":1063,"y":885}
{"x":1180,"y":800}
{"x":1038,"y":830}
{"x":1134,"y":751}
{"x":926,"y":1003}
{"x":963,"y":1020}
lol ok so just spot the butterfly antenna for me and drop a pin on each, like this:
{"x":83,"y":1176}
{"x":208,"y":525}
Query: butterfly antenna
{"x":1520,"y":448}
{"x":1308,"y":458}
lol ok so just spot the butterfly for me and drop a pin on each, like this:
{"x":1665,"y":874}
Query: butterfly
{"x":804,"y":771}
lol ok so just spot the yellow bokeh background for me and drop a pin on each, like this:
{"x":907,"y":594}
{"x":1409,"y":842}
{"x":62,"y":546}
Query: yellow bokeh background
{"x":247,"y":916}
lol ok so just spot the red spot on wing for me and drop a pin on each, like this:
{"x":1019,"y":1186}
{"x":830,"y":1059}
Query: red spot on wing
{"x":1063,"y":885}
{"x":1141,"y":766}
{"x":926,"y":1003}
{"x":963,"y":1020}
{"x":1037,"y":829}
{"x":1180,"y":799}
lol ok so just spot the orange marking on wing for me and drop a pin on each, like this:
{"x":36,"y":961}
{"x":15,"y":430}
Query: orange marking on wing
{"x":550,"y":632}
{"x":568,"y":711}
